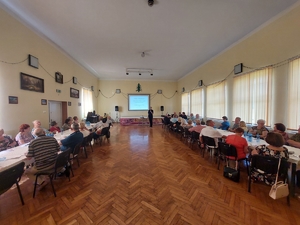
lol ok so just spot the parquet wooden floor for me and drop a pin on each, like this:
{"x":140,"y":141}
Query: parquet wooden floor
{"x":146,"y":176}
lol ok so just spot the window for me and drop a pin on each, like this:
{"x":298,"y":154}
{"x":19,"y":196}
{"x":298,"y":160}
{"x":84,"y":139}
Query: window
{"x":197,"y":102}
{"x":216,"y":100}
{"x":185,"y":103}
{"x":294,"y":94}
{"x":251,"y":96}
{"x":87,"y":101}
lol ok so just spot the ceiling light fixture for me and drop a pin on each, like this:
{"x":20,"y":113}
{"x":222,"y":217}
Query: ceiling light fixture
{"x":143,"y":54}
{"x":139,"y":71}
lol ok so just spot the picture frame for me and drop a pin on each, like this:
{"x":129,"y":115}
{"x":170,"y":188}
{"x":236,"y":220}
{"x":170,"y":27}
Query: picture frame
{"x":74,"y":80}
{"x":12,"y":99}
{"x":74,"y":93}
{"x":59,"y":78}
{"x":33,"y":61}
{"x":31,"y":83}
{"x":44,"y":101}
{"x":69,"y":103}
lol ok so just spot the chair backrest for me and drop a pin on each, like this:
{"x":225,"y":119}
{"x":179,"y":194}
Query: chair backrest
{"x":227,"y":150}
{"x":62,"y":159}
{"x":76,"y":149}
{"x":105,"y":130}
{"x":89,"y":138}
{"x":10,"y":176}
{"x":269,"y":164}
{"x":85,"y":141}
{"x":209,"y":141}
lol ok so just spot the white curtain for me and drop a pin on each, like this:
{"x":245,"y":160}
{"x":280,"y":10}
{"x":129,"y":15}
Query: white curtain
{"x":216,"y":100}
{"x":185,"y":103}
{"x":87,"y":101}
{"x":197,"y":101}
{"x":251,"y":96}
{"x":294,"y":94}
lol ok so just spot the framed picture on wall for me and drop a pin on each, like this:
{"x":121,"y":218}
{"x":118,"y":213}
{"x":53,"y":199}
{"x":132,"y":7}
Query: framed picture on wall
{"x":12,"y":99}
{"x":69,"y":104}
{"x":74,"y":93}
{"x":59,"y":78}
{"x":31,"y":83}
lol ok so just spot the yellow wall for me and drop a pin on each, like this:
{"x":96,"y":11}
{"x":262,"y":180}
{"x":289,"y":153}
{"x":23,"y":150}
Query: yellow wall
{"x":273,"y":43}
{"x":17,"y":41}
{"x":108,"y":100}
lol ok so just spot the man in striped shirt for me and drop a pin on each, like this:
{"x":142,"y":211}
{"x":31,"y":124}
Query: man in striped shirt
{"x":44,"y":150}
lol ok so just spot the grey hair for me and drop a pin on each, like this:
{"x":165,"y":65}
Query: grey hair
{"x":39,"y":132}
{"x":75,"y":126}
{"x":260,"y":121}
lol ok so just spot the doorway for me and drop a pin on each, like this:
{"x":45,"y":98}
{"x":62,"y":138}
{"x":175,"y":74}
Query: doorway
{"x":57,"y":111}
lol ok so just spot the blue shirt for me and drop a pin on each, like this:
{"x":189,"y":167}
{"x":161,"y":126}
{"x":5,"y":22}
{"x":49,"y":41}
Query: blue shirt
{"x":71,"y":141}
{"x":225,"y":125}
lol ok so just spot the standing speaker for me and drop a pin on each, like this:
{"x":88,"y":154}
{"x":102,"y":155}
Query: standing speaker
{"x":116,"y":108}
{"x":162,"y":108}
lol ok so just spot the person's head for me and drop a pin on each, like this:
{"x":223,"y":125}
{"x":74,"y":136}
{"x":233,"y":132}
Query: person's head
{"x":24,"y":127}
{"x":53,"y":123}
{"x":237,"y":120}
{"x":104,"y":120}
{"x":75,"y":118}
{"x":191,"y":115}
{"x":183,"y":113}
{"x":198,"y":122}
{"x":239,"y":131}
{"x":279,"y":127}
{"x":36,"y":123}
{"x":190,"y":122}
{"x":210,"y":123}
{"x":150,"y":107}
{"x":224,"y":118}
{"x":68,"y":120}
{"x":71,"y":119}
{"x":1,"y":132}
{"x":108,"y":117}
{"x":82,"y":125}
{"x":75,"y":126}
{"x":179,"y":119}
{"x":243,"y":124}
{"x":260,"y":123}
{"x":197,"y":116}
{"x":274,"y":139}
{"x":39,"y":132}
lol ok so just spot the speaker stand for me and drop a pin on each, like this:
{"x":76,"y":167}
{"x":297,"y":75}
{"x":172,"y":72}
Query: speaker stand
{"x":117,"y":117}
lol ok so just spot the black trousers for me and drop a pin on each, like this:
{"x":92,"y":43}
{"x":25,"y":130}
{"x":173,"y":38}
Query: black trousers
{"x":150,"y":121}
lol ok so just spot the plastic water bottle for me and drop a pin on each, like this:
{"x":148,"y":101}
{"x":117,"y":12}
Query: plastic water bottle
{"x":257,"y":138}
{"x":62,"y":130}
{"x":245,"y":134}
{"x":250,"y":137}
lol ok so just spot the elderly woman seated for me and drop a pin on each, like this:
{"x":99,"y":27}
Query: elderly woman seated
{"x":260,"y":129}
{"x":280,"y":129}
{"x":54,"y":127}
{"x":67,"y":124}
{"x":5,"y":141}
{"x":275,"y":149}
{"x":83,"y":129}
{"x":37,"y":124}
{"x":24,"y":136}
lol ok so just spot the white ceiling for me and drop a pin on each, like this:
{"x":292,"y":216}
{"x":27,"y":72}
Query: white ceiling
{"x":108,"y":36}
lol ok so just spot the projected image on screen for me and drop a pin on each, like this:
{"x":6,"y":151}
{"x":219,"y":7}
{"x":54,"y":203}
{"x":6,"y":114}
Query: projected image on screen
{"x":138,"y":102}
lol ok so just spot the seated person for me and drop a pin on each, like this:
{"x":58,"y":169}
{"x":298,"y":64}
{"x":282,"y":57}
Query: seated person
{"x":274,"y":149}
{"x":167,"y":119}
{"x":183,"y":115}
{"x":44,"y":149}
{"x":197,"y":128}
{"x":243,"y":126}
{"x":67,"y":124}
{"x":54,"y":127}
{"x":109,"y":121}
{"x":37,"y":124}
{"x":83,"y":129}
{"x":192,"y":117}
{"x":295,"y":140}
{"x":24,"y":136}
{"x":5,"y":141}
{"x":75,"y":119}
{"x":174,"y":119}
{"x":225,"y":124}
{"x":280,"y":129}
{"x":197,"y":117}
{"x":188,"y":125}
{"x":209,"y":131}
{"x":73,"y":139}
{"x":260,"y":129}
{"x":100,"y":126}
{"x":236,"y":124}
{"x":238,"y":142}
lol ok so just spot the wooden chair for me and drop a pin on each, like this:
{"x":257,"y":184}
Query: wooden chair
{"x":62,"y":160}
{"x":194,"y":139}
{"x":210,"y":145}
{"x":12,"y":176}
{"x":74,"y":154}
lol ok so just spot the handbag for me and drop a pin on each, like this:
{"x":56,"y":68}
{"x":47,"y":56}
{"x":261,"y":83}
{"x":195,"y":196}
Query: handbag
{"x":279,"y":189}
{"x":232,"y":173}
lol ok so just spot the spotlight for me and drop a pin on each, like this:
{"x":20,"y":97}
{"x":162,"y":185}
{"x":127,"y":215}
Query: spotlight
{"x":151,"y":74}
{"x":140,"y":74}
{"x":150,"y":2}
{"x":127,"y":74}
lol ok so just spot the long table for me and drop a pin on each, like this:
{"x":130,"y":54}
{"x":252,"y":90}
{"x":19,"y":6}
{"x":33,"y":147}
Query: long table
{"x":13,"y":156}
{"x":294,"y":156}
